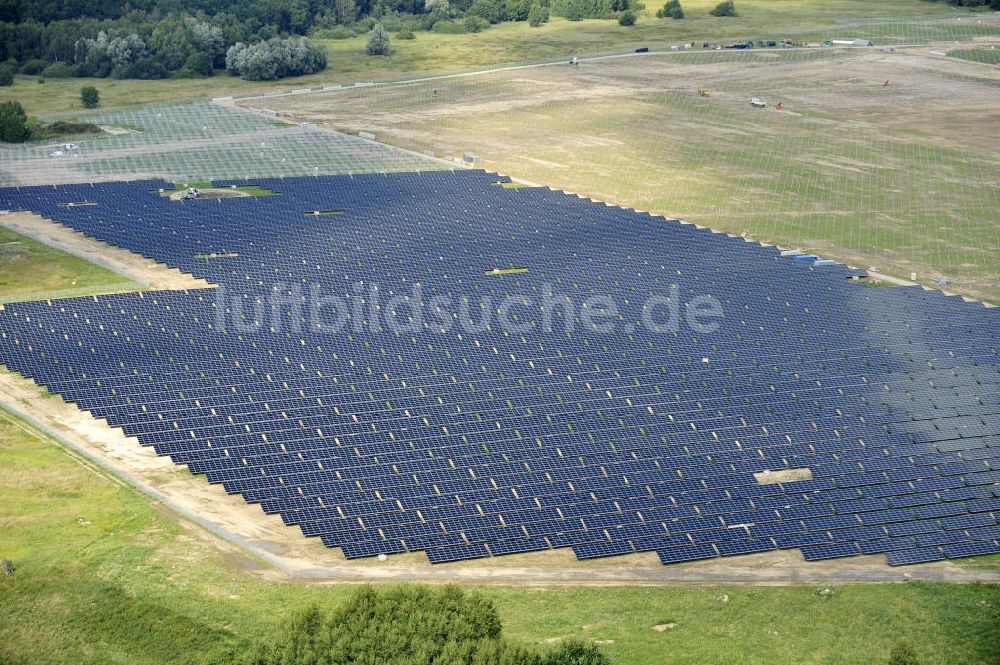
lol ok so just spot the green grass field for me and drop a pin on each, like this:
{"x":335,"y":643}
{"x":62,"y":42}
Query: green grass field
{"x":30,"y":270}
{"x":106,"y":575}
{"x":505,"y":43}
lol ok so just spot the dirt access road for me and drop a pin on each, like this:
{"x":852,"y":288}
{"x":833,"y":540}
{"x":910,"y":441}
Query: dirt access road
{"x":147,"y":272}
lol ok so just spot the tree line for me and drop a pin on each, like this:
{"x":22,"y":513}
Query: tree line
{"x":151,"y":47}
{"x":155,"y":39}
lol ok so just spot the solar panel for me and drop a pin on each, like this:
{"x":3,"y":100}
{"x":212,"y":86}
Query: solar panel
{"x":471,"y":440}
{"x":959,"y":550}
{"x":688,"y":553}
{"x":602,"y":549}
{"x":457,"y":553}
{"x":922,"y":555}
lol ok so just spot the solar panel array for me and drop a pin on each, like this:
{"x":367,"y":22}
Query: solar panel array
{"x":465,"y":442}
{"x":197,"y":142}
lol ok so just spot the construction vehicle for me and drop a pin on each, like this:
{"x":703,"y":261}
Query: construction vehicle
{"x":704,"y":92}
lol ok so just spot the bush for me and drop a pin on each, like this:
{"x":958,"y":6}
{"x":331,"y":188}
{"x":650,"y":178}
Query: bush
{"x":537,"y":15}
{"x":89,"y":97}
{"x":395,"y":21}
{"x":405,"y":625}
{"x":405,"y":33}
{"x":439,"y":7}
{"x":198,"y":64}
{"x":336,"y":32}
{"x":575,"y":652}
{"x":33,"y":66}
{"x":724,"y":8}
{"x":6,"y":75}
{"x":579,"y":9}
{"x":903,"y":654}
{"x":145,"y":69}
{"x":517,"y":10}
{"x":274,"y":59}
{"x":494,"y":11}
{"x":449,"y":27}
{"x":627,"y":17}
{"x":672,"y":10}
{"x":57,"y":70}
{"x":378,"y":41}
{"x":475,"y":24}
{"x":13,"y":123}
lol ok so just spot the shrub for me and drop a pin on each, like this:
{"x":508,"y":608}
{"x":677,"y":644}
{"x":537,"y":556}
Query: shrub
{"x":672,"y":10}
{"x":449,"y":27}
{"x":412,"y":625}
{"x":494,"y":11}
{"x":395,"y":21}
{"x":724,"y":8}
{"x":198,"y":64}
{"x":439,"y":7}
{"x":517,"y":10}
{"x":275,"y":58}
{"x":13,"y":122}
{"x":405,"y":33}
{"x":575,"y":652}
{"x":57,"y":70}
{"x":537,"y":15}
{"x":578,"y":9}
{"x":336,"y":32}
{"x":89,"y":97}
{"x":475,"y":24}
{"x":627,"y":17}
{"x":903,"y":654}
{"x":6,"y":75}
{"x":145,"y":69}
{"x":378,"y":41}
{"x":33,"y":66}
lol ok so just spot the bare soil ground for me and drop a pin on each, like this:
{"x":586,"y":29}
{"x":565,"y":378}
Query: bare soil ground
{"x":265,"y":547}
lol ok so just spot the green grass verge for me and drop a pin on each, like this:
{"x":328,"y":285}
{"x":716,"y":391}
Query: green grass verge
{"x":31,"y":270}
{"x":106,"y":575}
{"x":505,"y":43}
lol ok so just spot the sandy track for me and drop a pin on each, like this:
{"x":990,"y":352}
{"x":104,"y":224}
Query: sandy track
{"x":290,"y":555}
{"x":138,"y":268}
